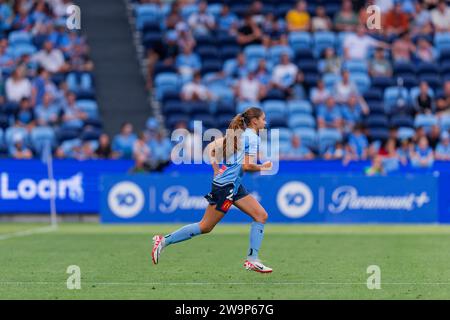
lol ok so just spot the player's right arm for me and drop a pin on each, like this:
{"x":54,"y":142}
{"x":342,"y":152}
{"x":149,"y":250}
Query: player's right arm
{"x":251,"y":165}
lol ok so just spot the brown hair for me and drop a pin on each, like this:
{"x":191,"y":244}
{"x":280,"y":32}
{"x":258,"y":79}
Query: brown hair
{"x":237,"y":125}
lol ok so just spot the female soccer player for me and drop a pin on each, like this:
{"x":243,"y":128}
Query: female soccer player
{"x":239,"y":147}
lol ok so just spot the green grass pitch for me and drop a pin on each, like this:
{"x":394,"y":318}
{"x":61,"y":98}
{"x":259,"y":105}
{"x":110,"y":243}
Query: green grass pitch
{"x":309,"y":262}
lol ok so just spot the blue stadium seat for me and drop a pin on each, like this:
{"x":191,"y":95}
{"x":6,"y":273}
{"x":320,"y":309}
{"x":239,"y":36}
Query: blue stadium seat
{"x":299,"y":107}
{"x":405,"y":133}
{"x":275,"y":53}
{"x":274,"y":94}
{"x":377,"y":121}
{"x":427,"y":68}
{"x":19,"y":37}
{"x":442,"y":40}
{"x":175,"y":107}
{"x":323,"y":40}
{"x":15,"y":132}
{"x":244,"y":105}
{"x":426,"y":121}
{"x":225,"y":108}
{"x":166,"y":82}
{"x":2,"y":141}
{"x":197,"y":107}
{"x":40,"y":136}
{"x":311,"y":79}
{"x":91,"y":134}
{"x":4,"y":121}
{"x":205,"y":40}
{"x":401,"y":120}
{"x":211,"y":66}
{"x":308,"y":137}
{"x":376,"y":107}
{"x":208,"y":52}
{"x":355,"y":66}
{"x":445,"y":122}
{"x":433,"y":80}
{"x":255,"y":52}
{"x":404,"y":67}
{"x":378,"y":134}
{"x":208,"y":121}
{"x":304,"y":54}
{"x":271,"y":107}
{"x":299,"y":41}
{"x":223,"y":92}
{"x":301,"y":121}
{"x":23,"y":49}
{"x":361,"y":80}
{"x":173,"y":119}
{"x":146,"y":13}
{"x":308,"y":65}
{"x":229,"y":51}
{"x":382,"y":82}
{"x":285,"y":134}
{"x":88,"y":106}
{"x":328,"y":138}
{"x":373,"y":94}
{"x":392,"y":94}
{"x":330,"y":79}
{"x":277,"y":121}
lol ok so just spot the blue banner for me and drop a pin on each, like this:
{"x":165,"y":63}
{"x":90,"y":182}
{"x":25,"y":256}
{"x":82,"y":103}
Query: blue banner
{"x":286,"y":197}
{"x":25,"y":186}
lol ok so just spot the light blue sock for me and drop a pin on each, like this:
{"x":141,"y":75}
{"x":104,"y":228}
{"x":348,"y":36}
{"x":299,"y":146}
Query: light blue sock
{"x":184,"y":233}
{"x":256,"y":236}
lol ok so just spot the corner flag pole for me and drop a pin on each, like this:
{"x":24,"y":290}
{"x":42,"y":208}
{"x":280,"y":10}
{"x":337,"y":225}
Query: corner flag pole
{"x":48,"y":158}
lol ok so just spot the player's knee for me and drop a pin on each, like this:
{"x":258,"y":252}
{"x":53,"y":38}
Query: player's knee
{"x":204,"y":228}
{"x":261,"y":217}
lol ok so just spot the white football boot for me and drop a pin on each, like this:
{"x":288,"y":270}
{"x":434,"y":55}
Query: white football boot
{"x":158,"y":246}
{"x":256,"y":265}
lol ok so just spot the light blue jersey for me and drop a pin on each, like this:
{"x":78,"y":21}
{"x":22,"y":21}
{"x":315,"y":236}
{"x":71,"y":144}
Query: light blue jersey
{"x":232,"y":172}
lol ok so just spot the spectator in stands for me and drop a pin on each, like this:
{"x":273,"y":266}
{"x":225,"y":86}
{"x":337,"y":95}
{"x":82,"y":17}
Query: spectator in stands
{"x":440,"y":17}
{"x":123,"y":142}
{"x":6,"y":16}
{"x":420,"y":133}
{"x":319,"y":94}
{"x":249,"y":32}
{"x":353,"y":112}
{"x":202,"y":22}
{"x":239,"y":67}
{"x":195,"y":90}
{"x":262,"y":72}
{"x":52,"y":59}
{"x":434,"y":136}
{"x":298,"y":19}
{"x":25,"y":116}
{"x":7,"y":61}
{"x":403,"y":48}
{"x":274,"y":32}
{"x":187,"y":62}
{"x":346,"y":19}
{"x":297,"y":150}
{"x":443,"y":100}
{"x":336,"y":152}
{"x":18,"y":150}
{"x":425,"y":51}
{"x":257,"y":11}
{"x":384,"y":5}
{"x":391,"y":159}
{"x":404,"y":151}
{"x":40,"y":85}
{"x":141,"y":151}
{"x":358,"y":143}
{"x":321,"y":22}
{"x":356,"y":46}
{"x":72,"y":115}
{"x":330,"y":63}
{"x":163,"y":51}
{"x":227,"y":20}
{"x":83,"y":151}
{"x":173,"y":17}
{"x":329,"y":115}
{"x":249,"y":89}
{"x":17,"y":86}
{"x":421,"y":19}
{"x":47,"y":113}
{"x":379,"y":66}
{"x":376,"y":168}
{"x":183,"y":36}
{"x":285,"y":76}
{"x":104,"y":149}
{"x":161,"y":148}
{"x":365,"y":14}
{"x":443,"y":148}
{"x":422,"y":155}
{"x":22,"y":20}
{"x":344,"y":88}
{"x":396,"y":21}
{"x":424,"y":102}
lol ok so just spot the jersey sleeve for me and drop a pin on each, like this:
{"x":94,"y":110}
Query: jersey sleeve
{"x":251,"y":144}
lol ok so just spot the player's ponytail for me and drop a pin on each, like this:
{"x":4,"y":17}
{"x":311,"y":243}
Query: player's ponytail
{"x":237,"y":126}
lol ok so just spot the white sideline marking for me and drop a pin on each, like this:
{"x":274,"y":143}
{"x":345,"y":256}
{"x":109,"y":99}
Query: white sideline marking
{"x":218,"y":283}
{"x":28,"y":232}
